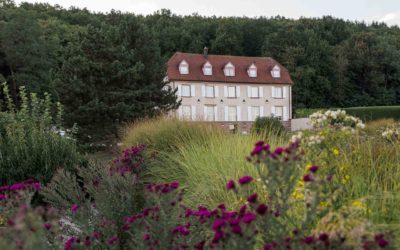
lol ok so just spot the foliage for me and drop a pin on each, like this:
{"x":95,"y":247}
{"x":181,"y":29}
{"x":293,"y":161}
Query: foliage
{"x":268,"y":125}
{"x":91,"y":216}
{"x":336,"y":119}
{"x":33,"y":143}
{"x":375,"y":113}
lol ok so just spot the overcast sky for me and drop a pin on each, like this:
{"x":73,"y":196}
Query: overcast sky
{"x":367,"y":10}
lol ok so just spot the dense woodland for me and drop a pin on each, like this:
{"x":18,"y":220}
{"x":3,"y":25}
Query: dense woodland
{"x":107,"y":69}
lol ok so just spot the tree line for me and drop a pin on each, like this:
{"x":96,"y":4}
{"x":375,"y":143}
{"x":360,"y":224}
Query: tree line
{"x":108,"y":68}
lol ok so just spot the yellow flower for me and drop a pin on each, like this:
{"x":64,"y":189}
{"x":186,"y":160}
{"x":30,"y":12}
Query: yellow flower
{"x":345,"y":179}
{"x":324,"y":204}
{"x":300,"y":183}
{"x":308,"y":166}
{"x":297,"y":196}
{"x":358,"y":204}
{"x":335,"y":151}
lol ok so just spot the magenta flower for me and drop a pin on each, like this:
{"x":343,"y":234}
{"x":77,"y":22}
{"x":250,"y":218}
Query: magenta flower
{"x":236,"y":229}
{"x":248,"y":218}
{"x":87,"y":241}
{"x":307,"y":178}
{"x":323,"y":237}
{"x":17,"y":186}
{"x":262,"y":209}
{"x":252,"y":198}
{"x":112,"y":240}
{"x":308,"y":240}
{"x":69,"y":242}
{"x":47,"y":226}
{"x":230,"y":185}
{"x":383,"y":243}
{"x":174,"y":185}
{"x":37,"y":186}
{"x":314,"y":168}
{"x":217,"y":237}
{"x":74,"y":208}
{"x":146,"y":237}
{"x":245,"y":179}
{"x":3,"y":197}
{"x":279,"y":151}
{"x":218,"y":224}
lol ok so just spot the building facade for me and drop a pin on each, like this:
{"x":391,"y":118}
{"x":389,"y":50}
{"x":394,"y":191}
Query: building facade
{"x":230,"y":89}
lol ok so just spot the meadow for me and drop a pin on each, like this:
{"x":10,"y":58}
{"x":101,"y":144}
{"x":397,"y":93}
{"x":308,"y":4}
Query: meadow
{"x":192,"y":185}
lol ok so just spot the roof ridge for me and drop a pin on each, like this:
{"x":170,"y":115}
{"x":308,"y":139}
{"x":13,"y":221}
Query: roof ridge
{"x":198,"y":54}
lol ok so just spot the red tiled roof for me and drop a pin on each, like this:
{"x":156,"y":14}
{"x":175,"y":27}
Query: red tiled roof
{"x":196,"y":61}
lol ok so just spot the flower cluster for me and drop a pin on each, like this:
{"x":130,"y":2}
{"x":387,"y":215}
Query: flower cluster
{"x":263,"y":150}
{"x":337,"y":119}
{"x":14,"y":189}
{"x":392,"y":133}
{"x":310,"y":140}
{"x":130,"y":161}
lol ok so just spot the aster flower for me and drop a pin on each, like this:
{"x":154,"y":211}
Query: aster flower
{"x":308,"y":240}
{"x":74,"y":208}
{"x":252,"y":198}
{"x":245,"y":179}
{"x":323,"y":237}
{"x":262,"y":209}
{"x":307,"y":178}
{"x":248,"y":218}
{"x":47,"y":226}
{"x":218,"y":223}
{"x":236,"y":229}
{"x":314,"y":168}
{"x":113,"y":239}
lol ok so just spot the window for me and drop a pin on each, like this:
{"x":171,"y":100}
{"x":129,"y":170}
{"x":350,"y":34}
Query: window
{"x":209,"y":113}
{"x":184,"y":68}
{"x":185,"y":90}
{"x":231,"y":92}
{"x":207,"y":69}
{"x":232,"y":113}
{"x":278,"y":112}
{"x":252,"y":71}
{"x":276,"y":72}
{"x":210,"y":91}
{"x":278,"y":92}
{"x":255,"y":112}
{"x":187,"y":112}
{"x":254,"y":92}
{"x":229,"y":69}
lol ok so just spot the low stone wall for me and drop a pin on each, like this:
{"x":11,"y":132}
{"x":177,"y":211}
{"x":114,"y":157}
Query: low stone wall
{"x":300,"y":124}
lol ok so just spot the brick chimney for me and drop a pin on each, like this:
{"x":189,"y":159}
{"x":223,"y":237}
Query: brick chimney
{"x":205,"y":52}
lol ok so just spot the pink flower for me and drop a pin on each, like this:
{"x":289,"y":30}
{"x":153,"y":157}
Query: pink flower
{"x":74,"y":208}
{"x":69,"y":242}
{"x":279,"y":151}
{"x":37,"y":186}
{"x":230,"y":185}
{"x":112,"y":240}
{"x":307,"y":178}
{"x":314,"y":168}
{"x":236,"y":229}
{"x":47,"y":226}
{"x":245,"y":179}
{"x":218,"y":224}
{"x":308,"y":240}
{"x":146,"y":237}
{"x":87,"y":241}
{"x":3,"y":197}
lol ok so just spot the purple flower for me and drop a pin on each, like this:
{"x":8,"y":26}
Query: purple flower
{"x":217,"y":237}
{"x":236,"y":229}
{"x":174,"y":185}
{"x":200,"y":245}
{"x":218,"y":223}
{"x":37,"y":186}
{"x":17,"y":186}
{"x":262,"y":209}
{"x":383,"y":243}
{"x":230,"y":185}
{"x":252,"y":198}
{"x":68,"y":243}
{"x":248,"y":218}
{"x":222,"y":206}
{"x":245,"y":179}
{"x":307,"y":178}
{"x":256,"y":150}
{"x":112,"y":240}
{"x":314,"y":168}
{"x":308,"y":240}
{"x":279,"y":151}
{"x":146,"y":237}
{"x":87,"y":242}
{"x":234,"y":222}
{"x":323,"y":237}
{"x":74,"y":208}
{"x":3,"y":197}
{"x":47,"y":226}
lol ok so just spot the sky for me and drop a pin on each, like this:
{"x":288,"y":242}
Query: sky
{"x":387,"y":11}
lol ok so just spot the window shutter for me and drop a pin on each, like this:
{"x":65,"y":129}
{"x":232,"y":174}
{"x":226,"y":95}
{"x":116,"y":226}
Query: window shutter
{"x":285,"y":114}
{"x":205,"y":113}
{"x":273,"y":92}
{"x":285,"y":90}
{"x":248,"y":91}
{"x":249,"y":114}
{"x":261,"y":92}
{"x":216,"y":89}
{"x":225,"y":91}
{"x":237,"y":91}
{"x":215,"y":113}
{"x":273,"y":111}
{"x":192,"y":90}
{"x":261,"y":111}
{"x":203,"y":90}
{"x":180,"y":112}
{"x":226,"y":113}
{"x":238,"y":114}
{"x":179,"y":90}
{"x":194,"y":118}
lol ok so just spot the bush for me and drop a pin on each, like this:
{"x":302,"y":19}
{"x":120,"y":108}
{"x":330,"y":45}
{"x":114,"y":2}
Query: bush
{"x":268,"y":126}
{"x":167,"y":135}
{"x":375,"y":113}
{"x":32,"y":142}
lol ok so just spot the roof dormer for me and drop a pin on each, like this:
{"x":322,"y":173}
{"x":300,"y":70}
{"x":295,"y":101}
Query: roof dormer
{"x":252,"y":70}
{"x":207,"y":69}
{"x":229,"y":69}
{"x":183,"y":67}
{"x":276,"y":72}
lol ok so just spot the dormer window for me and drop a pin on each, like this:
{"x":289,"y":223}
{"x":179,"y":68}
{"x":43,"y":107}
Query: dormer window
{"x":184,"y":68}
{"x":252,"y":71}
{"x":276,"y":72}
{"x":207,"y":69}
{"x":229,"y":69}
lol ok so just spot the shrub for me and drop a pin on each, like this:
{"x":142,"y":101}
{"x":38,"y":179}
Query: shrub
{"x":375,"y":112}
{"x":268,"y":126}
{"x":167,"y":135}
{"x":32,"y":141}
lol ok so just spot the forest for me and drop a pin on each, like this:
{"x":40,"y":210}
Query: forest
{"x":108,"y":68}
